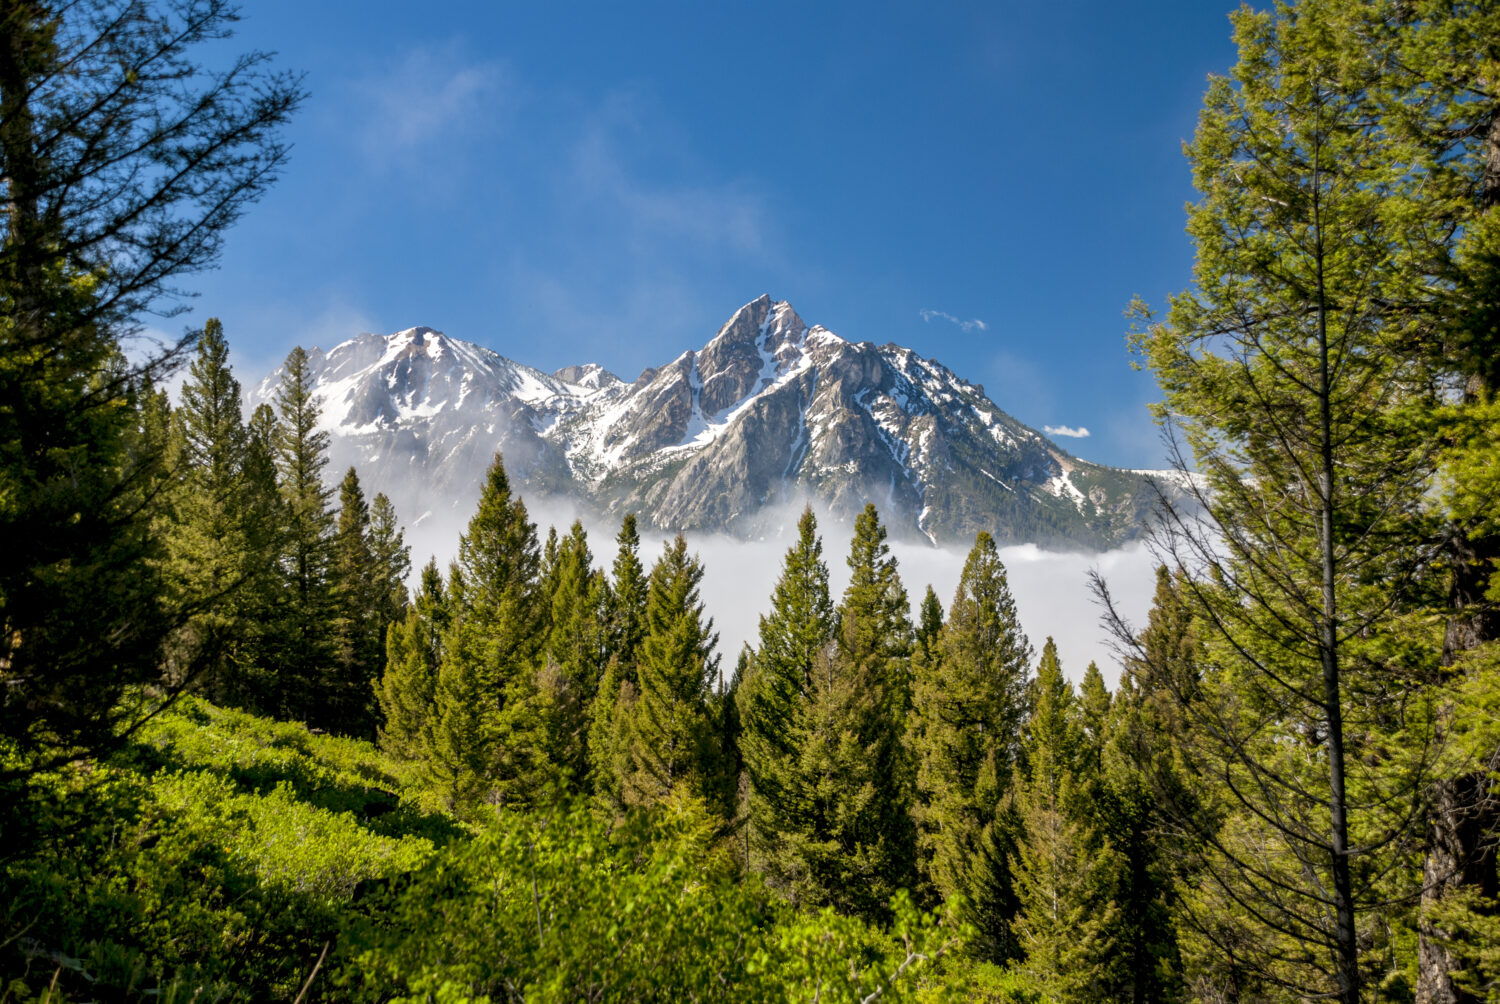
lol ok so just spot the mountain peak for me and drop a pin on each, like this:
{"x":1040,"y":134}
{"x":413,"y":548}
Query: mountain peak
{"x":769,"y":411}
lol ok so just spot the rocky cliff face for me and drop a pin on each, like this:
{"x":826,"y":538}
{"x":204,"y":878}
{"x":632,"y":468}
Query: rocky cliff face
{"x":769,"y":412}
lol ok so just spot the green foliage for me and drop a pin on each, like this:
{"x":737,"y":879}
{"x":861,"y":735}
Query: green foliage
{"x":671,"y":746}
{"x":854,"y":848}
{"x":489,"y":743}
{"x":407,"y":692}
{"x":576,"y":652}
{"x":774,"y":698}
{"x":568,"y":906}
{"x":1066,"y":870}
{"x":356,"y":586}
{"x":1288,"y":371}
{"x":968,"y":708}
{"x":214,"y":529}
{"x":304,"y":646}
{"x":81,"y":606}
{"x":219,"y":851}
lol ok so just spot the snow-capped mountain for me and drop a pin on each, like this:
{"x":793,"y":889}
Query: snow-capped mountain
{"x":769,"y":412}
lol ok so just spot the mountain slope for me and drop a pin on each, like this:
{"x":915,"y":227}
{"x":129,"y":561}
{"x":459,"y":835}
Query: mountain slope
{"x":769,"y":412}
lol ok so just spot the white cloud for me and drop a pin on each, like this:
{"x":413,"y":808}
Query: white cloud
{"x":608,"y":158}
{"x":1066,"y":430}
{"x":427,"y":98}
{"x":974,"y":324}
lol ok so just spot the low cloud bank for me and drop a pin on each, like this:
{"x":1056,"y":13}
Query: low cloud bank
{"x":1051,"y":588}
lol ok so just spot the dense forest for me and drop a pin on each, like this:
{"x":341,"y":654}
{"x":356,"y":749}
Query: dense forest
{"x":240,"y":759}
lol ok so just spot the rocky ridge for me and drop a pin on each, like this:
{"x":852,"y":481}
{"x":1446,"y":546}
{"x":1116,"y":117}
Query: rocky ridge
{"x":768,"y":414}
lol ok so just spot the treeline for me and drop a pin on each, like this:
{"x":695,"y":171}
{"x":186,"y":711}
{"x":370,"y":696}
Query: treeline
{"x":284,"y":598}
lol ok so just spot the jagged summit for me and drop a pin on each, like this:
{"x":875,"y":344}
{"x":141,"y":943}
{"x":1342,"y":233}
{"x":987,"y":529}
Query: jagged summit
{"x":768,"y":411}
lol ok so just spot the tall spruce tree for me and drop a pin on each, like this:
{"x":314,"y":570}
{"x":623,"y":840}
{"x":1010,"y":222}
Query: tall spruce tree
{"x":1440,"y":104}
{"x":489,"y":743}
{"x":392,"y":560}
{"x":627,"y":613}
{"x":924,"y":651}
{"x":123,"y":160}
{"x":358,"y":595}
{"x":576,"y":653}
{"x":407,"y":691}
{"x":773,"y":701}
{"x":263,"y":597}
{"x":672,"y":746}
{"x":211,"y":533}
{"x":857,"y":848}
{"x":1065,"y":870}
{"x":625,"y":623}
{"x":1292,"y":383}
{"x":305,"y":644}
{"x":965,"y":737}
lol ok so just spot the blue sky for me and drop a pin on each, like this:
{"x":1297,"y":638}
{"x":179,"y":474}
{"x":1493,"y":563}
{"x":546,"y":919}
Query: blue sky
{"x":986,"y":183}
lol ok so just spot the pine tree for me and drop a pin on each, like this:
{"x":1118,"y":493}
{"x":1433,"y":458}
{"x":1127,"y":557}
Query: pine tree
{"x":305,"y":648}
{"x":1441,"y":121}
{"x":628,"y":598}
{"x":392,"y":560}
{"x":210,"y":536}
{"x":924,"y":652}
{"x":263,"y":597}
{"x":966,"y":733}
{"x":793,"y":636}
{"x":1065,"y":872}
{"x":1289,"y":373}
{"x":1126,"y":811}
{"x":857,"y":848}
{"x":672,"y":741}
{"x":407,"y":692}
{"x":576,"y":652}
{"x":489,"y":742}
{"x":123,"y":160}
{"x":357,"y":588}
{"x":625,"y":623}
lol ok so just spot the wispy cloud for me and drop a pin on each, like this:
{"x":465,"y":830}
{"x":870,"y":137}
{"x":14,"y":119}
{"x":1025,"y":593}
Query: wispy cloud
{"x":973,"y":324}
{"x":1066,"y":430}
{"x":619,"y":169}
{"x":428,"y":98}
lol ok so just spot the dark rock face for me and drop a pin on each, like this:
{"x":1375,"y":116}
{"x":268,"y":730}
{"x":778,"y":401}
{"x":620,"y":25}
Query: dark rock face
{"x":770,"y":412}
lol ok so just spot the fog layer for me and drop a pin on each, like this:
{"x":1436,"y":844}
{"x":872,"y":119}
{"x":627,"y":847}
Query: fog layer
{"x":1051,"y":588}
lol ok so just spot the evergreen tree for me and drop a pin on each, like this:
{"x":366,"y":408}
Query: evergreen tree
{"x":672,"y":739}
{"x":1094,"y":705}
{"x":924,"y":652}
{"x":1440,"y":121}
{"x":1287,"y":370}
{"x":1065,"y":872}
{"x":211,"y":533}
{"x":263,"y":597}
{"x":489,"y":742}
{"x":305,"y":648}
{"x":576,"y":652}
{"x":966,"y":732}
{"x":392,"y":560}
{"x":628,"y":598}
{"x":856,"y":849}
{"x":608,"y":745}
{"x":793,"y":636}
{"x":1147,"y":964}
{"x":122,"y":161}
{"x":625,"y":623}
{"x":407,"y":692}
{"x":357,"y":588}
